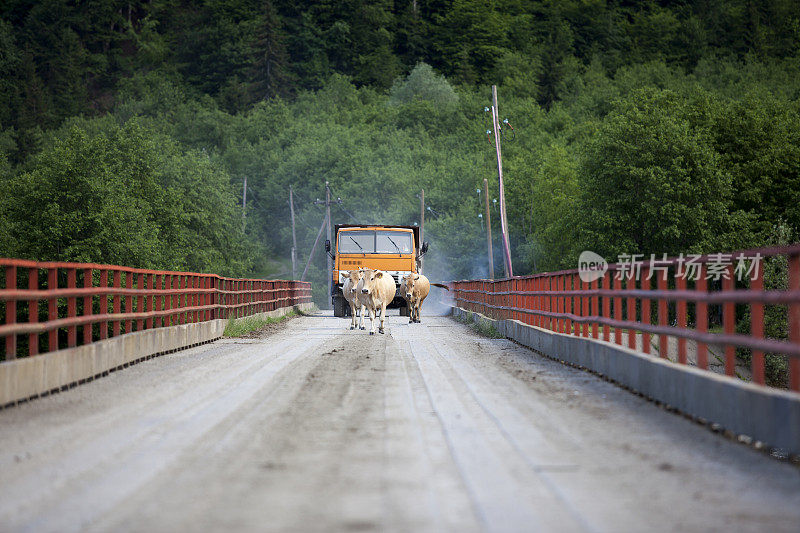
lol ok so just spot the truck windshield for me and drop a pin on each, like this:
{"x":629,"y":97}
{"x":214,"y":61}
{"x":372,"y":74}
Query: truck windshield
{"x":371,"y":242}
{"x":357,"y":242}
{"x":393,"y":242}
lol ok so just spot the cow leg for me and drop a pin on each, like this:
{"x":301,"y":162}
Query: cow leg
{"x":372,"y":321}
{"x":383,"y":315}
{"x":419,"y":308}
{"x":352,"y":314}
{"x":361,"y":317}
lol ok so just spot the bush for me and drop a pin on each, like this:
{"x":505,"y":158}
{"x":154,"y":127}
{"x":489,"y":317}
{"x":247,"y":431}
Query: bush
{"x":422,"y":84}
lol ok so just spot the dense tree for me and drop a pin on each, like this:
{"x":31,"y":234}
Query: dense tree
{"x":270,"y":70}
{"x":124,"y":195}
{"x":652,"y":181}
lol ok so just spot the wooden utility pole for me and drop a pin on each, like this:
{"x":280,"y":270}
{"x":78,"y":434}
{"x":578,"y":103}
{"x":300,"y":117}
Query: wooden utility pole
{"x":294,"y":235}
{"x":488,"y":227}
{"x":244,"y":202}
{"x":421,"y":216}
{"x":330,"y":228}
{"x":421,"y":225}
{"x":313,"y":248}
{"x":509,"y":271}
{"x":328,"y":255}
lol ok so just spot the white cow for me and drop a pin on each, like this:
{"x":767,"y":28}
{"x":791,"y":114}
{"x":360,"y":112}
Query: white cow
{"x":362,"y":300}
{"x":377,"y":291}
{"x":349,"y":292}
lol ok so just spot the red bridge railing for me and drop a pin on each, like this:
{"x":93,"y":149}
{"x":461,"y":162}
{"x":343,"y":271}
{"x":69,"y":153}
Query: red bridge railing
{"x":46,"y":306}
{"x":635,"y":300}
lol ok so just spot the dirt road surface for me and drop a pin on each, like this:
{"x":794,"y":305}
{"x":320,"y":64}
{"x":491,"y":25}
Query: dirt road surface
{"x":427,"y":428}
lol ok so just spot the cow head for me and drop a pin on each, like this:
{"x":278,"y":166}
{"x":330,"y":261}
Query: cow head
{"x":354,"y":276}
{"x":408,"y":284}
{"x":369,"y":280}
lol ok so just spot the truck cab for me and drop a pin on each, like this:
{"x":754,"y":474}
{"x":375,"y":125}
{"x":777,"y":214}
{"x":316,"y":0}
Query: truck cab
{"x":393,"y":249}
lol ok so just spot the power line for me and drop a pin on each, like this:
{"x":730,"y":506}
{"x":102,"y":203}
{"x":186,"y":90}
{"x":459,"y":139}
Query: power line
{"x":297,"y":214}
{"x":348,"y":213}
{"x":255,"y":198}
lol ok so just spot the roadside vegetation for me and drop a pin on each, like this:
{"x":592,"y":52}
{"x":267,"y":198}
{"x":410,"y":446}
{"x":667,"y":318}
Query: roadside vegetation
{"x":481,"y":327}
{"x":242,"y":327}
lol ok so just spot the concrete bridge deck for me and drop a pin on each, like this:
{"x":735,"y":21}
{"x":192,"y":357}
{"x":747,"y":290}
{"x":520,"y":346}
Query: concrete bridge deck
{"x":428,"y":428}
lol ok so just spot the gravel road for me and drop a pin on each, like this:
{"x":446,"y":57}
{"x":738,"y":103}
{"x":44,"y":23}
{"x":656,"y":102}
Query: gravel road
{"x":428,"y":428}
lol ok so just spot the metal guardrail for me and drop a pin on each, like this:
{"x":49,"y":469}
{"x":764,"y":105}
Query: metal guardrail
{"x":104,"y":301}
{"x":564,"y":303}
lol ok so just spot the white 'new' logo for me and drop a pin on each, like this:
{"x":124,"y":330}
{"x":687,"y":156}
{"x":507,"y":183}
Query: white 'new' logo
{"x":591,"y":266}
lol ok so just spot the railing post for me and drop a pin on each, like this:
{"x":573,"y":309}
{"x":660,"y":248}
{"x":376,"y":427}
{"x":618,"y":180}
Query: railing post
{"x":129,"y":300}
{"x":595,"y":308}
{"x":550,"y":286}
{"x":568,"y":303}
{"x":88,"y":282}
{"x":167,"y":320}
{"x":631,"y":311}
{"x":149,"y":300}
{"x":183,"y":298}
{"x":206,"y":298}
{"x":117,"y":302}
{"x":52,"y":309}
{"x":645,"y":284}
{"x":607,"y":304}
{"x":680,"y":284}
{"x":141,"y":306}
{"x":72,"y":310}
{"x":11,"y":313}
{"x":757,"y":325}
{"x":213,"y":297}
{"x":159,"y":321}
{"x":196,"y":297}
{"x":617,"y":309}
{"x":701,"y":310}
{"x":175,"y":300}
{"x":225,"y":297}
{"x":794,"y":322}
{"x":33,"y":311}
{"x":104,"y":304}
{"x":663,"y":318}
{"x":577,"y":304}
{"x":585,"y":308}
{"x":729,"y":321}
{"x":559,"y":302}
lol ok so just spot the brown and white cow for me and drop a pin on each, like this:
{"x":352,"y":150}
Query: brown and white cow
{"x":415,"y":288}
{"x":377,"y":291}
{"x":349,"y":292}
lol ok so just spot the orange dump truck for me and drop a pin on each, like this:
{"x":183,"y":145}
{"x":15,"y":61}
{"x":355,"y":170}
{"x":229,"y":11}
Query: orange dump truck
{"x":393,"y":249}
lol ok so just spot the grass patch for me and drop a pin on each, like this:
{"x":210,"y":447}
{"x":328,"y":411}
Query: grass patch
{"x":481,"y":327}
{"x":239,"y":327}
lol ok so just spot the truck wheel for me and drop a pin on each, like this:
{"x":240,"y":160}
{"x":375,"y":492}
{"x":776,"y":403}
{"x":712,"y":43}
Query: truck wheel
{"x":338,"y":306}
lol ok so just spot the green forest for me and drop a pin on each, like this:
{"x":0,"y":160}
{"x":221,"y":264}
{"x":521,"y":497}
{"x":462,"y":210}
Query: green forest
{"x":127,"y":128}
